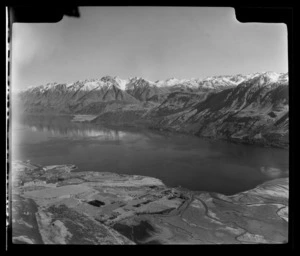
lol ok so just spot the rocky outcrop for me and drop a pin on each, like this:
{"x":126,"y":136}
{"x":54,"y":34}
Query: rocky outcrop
{"x":61,"y":205}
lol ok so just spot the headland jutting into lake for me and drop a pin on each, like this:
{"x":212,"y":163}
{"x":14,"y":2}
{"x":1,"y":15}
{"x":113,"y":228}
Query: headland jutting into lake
{"x":73,"y":207}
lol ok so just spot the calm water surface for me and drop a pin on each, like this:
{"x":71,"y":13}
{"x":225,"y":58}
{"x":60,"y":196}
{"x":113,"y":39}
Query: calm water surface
{"x":176,"y":159}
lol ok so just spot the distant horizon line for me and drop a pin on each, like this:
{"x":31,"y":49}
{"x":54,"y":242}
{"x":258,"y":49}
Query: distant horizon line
{"x":156,"y":81}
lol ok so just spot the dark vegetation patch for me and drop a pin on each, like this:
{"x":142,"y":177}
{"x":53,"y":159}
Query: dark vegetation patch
{"x":142,"y":203}
{"x":280,"y":94}
{"x":282,"y":119}
{"x":137,"y":233}
{"x":255,"y":96}
{"x":96,"y":203}
{"x":240,"y":119}
{"x":214,"y":101}
{"x":166,"y":211}
{"x":272,"y":114}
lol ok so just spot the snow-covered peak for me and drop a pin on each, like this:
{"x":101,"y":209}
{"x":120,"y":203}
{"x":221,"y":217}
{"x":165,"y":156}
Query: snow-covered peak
{"x":168,"y":82}
{"x":212,"y":82}
{"x":266,"y":79}
{"x":121,"y":82}
{"x":107,"y":79}
{"x":136,"y":78}
{"x":42,"y":88}
{"x":271,"y":76}
{"x":176,"y":82}
{"x":284,"y":78}
{"x":49,"y":86}
{"x":89,"y":86}
{"x":274,"y":77}
{"x":138,"y":82}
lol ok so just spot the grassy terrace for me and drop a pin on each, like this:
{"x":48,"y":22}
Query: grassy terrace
{"x":108,"y":208}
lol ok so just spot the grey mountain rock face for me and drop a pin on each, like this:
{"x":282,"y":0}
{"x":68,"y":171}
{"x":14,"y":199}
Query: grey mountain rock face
{"x":255,"y":111}
{"x":245,"y":108}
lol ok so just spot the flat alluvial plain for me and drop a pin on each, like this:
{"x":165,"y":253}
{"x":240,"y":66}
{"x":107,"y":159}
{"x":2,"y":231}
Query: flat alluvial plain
{"x":60,"y":205}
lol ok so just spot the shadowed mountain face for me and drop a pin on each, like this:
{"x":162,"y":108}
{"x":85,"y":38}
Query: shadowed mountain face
{"x":252,"y":108}
{"x":144,"y":90}
{"x":77,"y":97}
{"x":254,"y":111}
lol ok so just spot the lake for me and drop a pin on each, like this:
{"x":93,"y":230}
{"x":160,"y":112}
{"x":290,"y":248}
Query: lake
{"x":176,"y":159}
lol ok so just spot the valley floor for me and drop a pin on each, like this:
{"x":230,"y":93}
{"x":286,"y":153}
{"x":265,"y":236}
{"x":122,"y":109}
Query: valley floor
{"x":60,"y":205}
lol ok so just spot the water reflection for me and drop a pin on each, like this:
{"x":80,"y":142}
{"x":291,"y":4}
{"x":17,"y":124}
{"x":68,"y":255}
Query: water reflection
{"x":61,"y":127}
{"x":82,"y":133}
{"x":176,"y":159}
{"x":273,"y":172}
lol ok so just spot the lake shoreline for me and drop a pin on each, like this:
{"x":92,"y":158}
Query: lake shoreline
{"x":143,"y":124}
{"x":144,"y":202}
{"x":176,"y":158}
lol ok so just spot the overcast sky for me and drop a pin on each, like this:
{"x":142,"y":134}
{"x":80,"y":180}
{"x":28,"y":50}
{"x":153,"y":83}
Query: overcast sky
{"x":151,"y":42}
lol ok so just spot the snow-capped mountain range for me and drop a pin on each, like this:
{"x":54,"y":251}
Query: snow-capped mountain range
{"x":252,"y":108}
{"x":212,"y":82}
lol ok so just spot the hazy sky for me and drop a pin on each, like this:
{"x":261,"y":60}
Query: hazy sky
{"x":151,"y":42}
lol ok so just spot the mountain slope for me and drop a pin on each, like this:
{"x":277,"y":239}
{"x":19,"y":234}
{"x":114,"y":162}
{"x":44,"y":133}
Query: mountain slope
{"x":144,"y":90}
{"x":247,"y":108}
{"x":79,"y":97}
{"x":255,"y":111}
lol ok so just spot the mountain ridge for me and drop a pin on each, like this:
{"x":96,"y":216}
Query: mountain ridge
{"x":250,"y":108}
{"x":167,"y":82}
